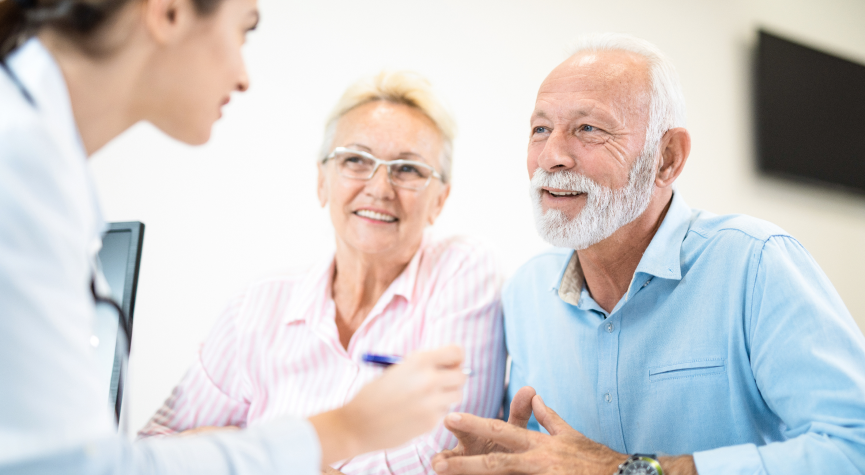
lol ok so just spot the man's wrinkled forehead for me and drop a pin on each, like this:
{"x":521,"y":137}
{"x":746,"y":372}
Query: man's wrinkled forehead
{"x":620,"y":76}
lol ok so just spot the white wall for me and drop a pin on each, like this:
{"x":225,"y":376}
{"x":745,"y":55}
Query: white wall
{"x":244,"y":206}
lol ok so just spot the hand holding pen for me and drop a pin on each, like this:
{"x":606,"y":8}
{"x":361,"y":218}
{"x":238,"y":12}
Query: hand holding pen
{"x":410,"y":398}
{"x":388,"y":360}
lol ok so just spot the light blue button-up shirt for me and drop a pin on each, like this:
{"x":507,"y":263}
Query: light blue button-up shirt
{"x":730,"y":344}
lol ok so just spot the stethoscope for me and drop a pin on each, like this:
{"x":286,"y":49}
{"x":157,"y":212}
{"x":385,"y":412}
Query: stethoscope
{"x":17,"y":83}
{"x":122,"y":318}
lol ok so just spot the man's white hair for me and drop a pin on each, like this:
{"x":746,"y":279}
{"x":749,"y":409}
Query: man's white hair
{"x":667,"y":102}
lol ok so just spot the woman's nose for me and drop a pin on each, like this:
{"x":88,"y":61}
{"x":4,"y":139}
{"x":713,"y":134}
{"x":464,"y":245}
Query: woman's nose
{"x":379,"y":186}
{"x":243,"y":80}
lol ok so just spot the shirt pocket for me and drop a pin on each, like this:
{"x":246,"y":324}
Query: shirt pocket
{"x":688,"y":369}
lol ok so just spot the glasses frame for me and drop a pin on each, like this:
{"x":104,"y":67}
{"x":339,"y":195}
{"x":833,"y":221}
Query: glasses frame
{"x":387,"y":164}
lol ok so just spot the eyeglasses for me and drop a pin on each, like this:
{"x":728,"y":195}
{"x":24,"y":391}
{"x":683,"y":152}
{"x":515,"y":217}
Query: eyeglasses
{"x":360,"y":165}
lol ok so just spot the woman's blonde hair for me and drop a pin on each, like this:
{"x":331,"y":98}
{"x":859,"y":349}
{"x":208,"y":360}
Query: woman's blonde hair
{"x":398,"y":87}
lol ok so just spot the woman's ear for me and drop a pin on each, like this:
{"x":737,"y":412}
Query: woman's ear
{"x":439,"y":203}
{"x":322,"y":185}
{"x":165,"y":19}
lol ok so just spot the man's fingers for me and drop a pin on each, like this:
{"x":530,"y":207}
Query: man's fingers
{"x":446,"y":454}
{"x":465,"y":439}
{"x":521,"y":407}
{"x":494,"y":430}
{"x":490,"y":464}
{"x":441,"y":456}
{"x":548,"y":417}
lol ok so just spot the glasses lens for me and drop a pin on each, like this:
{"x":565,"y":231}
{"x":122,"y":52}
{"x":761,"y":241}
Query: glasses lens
{"x":403,"y":173}
{"x":353,"y":165}
{"x":410,"y":174}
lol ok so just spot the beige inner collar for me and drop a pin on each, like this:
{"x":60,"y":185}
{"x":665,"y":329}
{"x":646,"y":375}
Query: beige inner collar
{"x":572,"y":281}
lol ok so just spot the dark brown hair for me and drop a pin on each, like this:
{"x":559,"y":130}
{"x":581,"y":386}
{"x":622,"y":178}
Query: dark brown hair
{"x":80,"y":20}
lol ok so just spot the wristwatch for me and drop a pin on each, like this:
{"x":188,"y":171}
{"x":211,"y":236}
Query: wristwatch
{"x":640,"y":464}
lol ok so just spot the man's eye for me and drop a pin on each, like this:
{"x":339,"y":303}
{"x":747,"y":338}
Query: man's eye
{"x":540,"y":130}
{"x":588,"y":128}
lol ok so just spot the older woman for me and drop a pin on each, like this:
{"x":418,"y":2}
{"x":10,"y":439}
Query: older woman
{"x":295,"y":345}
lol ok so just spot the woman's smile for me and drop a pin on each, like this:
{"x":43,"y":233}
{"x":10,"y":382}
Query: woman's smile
{"x":376,"y":216}
{"x":372,"y":214}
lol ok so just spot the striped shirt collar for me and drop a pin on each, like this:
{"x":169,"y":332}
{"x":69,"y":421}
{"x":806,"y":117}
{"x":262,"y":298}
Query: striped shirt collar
{"x":317,"y":286}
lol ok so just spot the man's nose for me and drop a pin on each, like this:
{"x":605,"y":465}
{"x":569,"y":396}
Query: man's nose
{"x":558,"y":153}
{"x":379,"y":186}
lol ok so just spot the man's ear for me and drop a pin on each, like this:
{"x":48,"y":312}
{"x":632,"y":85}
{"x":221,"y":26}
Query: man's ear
{"x":675,"y":148}
{"x":439,"y":203}
{"x":165,"y":19}
{"x":322,"y":185}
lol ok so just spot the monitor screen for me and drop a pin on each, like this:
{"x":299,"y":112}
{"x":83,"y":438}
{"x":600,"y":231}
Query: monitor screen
{"x":810,"y":114}
{"x":119,"y":259}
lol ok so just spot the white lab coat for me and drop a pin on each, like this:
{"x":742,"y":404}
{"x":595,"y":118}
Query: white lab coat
{"x":53,"y":416}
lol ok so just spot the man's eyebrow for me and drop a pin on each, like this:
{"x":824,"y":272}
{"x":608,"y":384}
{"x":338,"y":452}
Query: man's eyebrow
{"x":581,"y":112}
{"x":539,"y":114}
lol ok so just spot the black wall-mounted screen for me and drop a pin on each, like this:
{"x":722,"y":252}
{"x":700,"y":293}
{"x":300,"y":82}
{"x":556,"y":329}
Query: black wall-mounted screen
{"x":810,"y":114}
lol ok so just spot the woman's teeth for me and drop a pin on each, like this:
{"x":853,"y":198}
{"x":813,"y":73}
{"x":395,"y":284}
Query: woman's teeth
{"x":565,"y":193}
{"x":376,"y":216}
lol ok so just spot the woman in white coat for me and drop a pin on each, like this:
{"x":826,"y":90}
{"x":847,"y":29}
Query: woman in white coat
{"x":74,"y":75}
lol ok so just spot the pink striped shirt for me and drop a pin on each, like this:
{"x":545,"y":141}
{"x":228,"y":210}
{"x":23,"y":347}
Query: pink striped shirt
{"x":276,"y":350}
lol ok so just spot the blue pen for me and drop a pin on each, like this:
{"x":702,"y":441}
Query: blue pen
{"x":385,"y":360}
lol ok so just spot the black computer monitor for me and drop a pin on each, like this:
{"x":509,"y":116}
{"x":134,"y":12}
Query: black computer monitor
{"x":120,"y":258}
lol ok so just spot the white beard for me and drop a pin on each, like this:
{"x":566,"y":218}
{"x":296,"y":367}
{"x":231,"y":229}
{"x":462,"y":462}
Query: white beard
{"x":606,"y":209}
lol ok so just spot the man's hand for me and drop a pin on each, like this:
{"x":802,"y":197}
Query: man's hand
{"x":472,"y":444}
{"x":563,"y":451}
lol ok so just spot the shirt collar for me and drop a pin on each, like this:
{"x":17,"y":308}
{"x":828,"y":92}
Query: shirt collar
{"x":569,"y":281}
{"x":404,"y":284}
{"x":663,"y":256}
{"x":40,"y":75}
{"x":316,"y":288}
{"x":661,"y":259}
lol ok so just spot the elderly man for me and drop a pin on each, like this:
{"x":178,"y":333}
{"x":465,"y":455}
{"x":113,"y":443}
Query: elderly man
{"x":695,"y":343}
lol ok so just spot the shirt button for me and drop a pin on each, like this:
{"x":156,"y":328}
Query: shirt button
{"x":609,"y":327}
{"x":647,"y":282}
{"x":608,"y":397}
